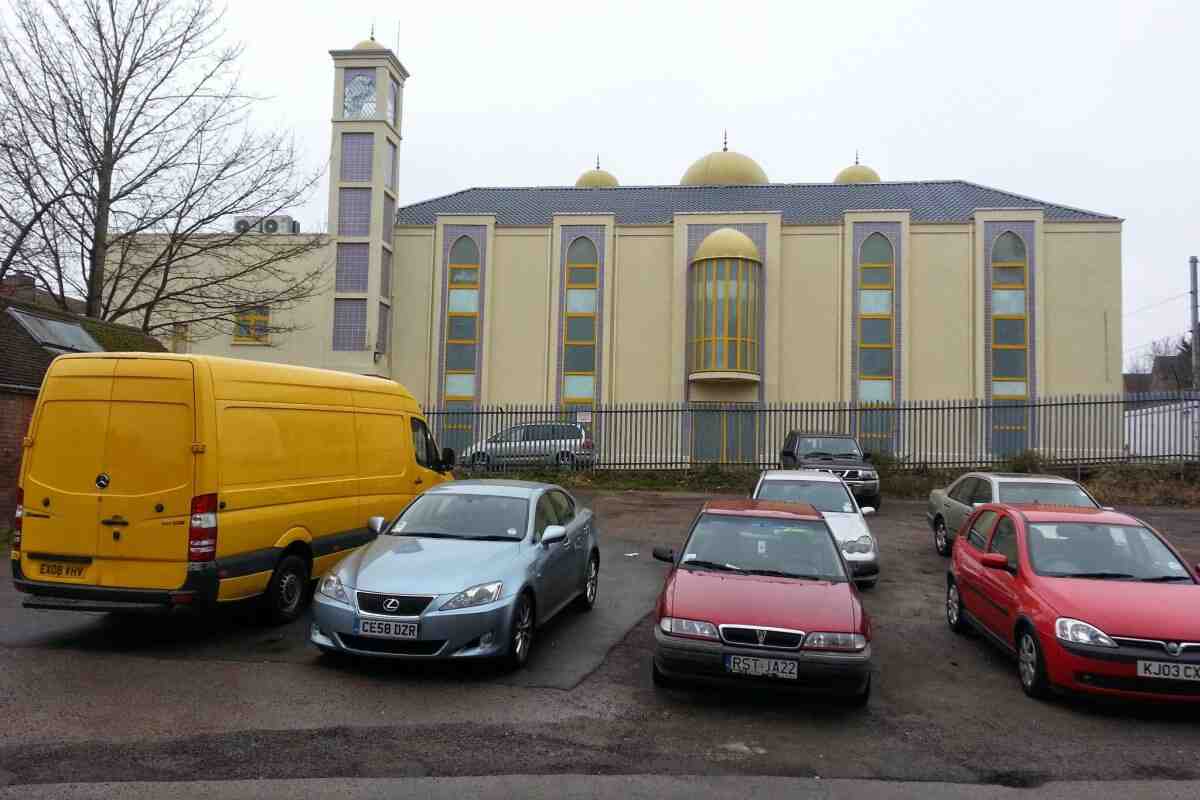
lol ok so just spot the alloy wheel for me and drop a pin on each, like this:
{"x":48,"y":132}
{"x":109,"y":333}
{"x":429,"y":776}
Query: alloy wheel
{"x":593,"y":580}
{"x":523,"y":631}
{"x":1027,"y":660}
{"x":940,"y":536}
{"x":952,"y":605}
{"x":289,"y":592}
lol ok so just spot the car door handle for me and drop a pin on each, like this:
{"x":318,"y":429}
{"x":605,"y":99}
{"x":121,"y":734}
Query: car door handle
{"x":116,"y":520}
{"x":419,"y":480}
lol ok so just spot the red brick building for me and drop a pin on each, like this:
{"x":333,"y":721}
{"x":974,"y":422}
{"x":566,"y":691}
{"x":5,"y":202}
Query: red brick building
{"x":32,"y":336}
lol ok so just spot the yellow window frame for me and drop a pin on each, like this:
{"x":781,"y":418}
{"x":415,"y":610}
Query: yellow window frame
{"x":594,"y":285}
{"x":451,"y":284}
{"x":249,"y":319}
{"x":862,"y":276}
{"x":1022,"y":265}
{"x":740,"y":295}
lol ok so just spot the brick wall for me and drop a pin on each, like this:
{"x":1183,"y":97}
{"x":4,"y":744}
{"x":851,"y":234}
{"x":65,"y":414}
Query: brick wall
{"x":15,"y":410}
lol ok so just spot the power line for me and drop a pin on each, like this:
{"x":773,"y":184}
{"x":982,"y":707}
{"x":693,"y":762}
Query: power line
{"x":1153,"y":342}
{"x":1164,"y":301}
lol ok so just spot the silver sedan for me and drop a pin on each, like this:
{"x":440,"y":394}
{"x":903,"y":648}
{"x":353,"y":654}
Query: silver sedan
{"x":470,"y":569}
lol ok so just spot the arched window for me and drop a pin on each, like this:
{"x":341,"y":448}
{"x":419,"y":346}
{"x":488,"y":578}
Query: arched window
{"x":1010,"y":318}
{"x":580,"y":323}
{"x":724,"y":336}
{"x":462,"y":322}
{"x":876,"y":320}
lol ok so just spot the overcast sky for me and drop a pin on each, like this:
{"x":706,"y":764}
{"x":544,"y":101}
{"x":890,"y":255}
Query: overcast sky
{"x":1086,"y":104}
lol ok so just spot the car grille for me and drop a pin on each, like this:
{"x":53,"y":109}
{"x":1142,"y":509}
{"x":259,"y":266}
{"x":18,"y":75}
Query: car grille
{"x":773,"y":639}
{"x":395,"y":647}
{"x":844,"y":474}
{"x":1189,"y":652}
{"x":1147,"y":685}
{"x":409,"y":605}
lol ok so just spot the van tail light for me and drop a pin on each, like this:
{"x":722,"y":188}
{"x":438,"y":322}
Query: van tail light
{"x":18,"y":515}
{"x":202,"y":531}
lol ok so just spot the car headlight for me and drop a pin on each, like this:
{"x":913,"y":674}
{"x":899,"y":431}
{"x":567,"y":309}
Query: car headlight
{"x":479,"y":595}
{"x":689,"y":627}
{"x":862,"y":544}
{"x":331,"y":586}
{"x":1079,"y":632}
{"x":867,"y":474}
{"x":845,"y":642}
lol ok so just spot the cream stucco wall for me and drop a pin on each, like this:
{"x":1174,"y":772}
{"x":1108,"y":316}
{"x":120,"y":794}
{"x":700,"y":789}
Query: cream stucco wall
{"x":412,"y":309}
{"x":518,"y":330}
{"x":1081,"y":328}
{"x":939,"y":315}
{"x":642,"y":319}
{"x":812,"y":318}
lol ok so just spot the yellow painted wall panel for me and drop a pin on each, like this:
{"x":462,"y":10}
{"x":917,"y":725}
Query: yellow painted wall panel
{"x":412,"y":290}
{"x":642,"y":318}
{"x":937,"y":320}
{"x":811,"y":319}
{"x":1081,"y":273}
{"x":518,"y":325}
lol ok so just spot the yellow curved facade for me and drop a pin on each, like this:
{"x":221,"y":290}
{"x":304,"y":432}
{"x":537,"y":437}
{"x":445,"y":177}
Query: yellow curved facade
{"x":727,"y":243}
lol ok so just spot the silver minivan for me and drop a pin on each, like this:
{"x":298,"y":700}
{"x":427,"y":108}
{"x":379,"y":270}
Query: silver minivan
{"x":562,"y":444}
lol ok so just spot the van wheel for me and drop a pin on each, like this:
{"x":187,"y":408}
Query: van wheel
{"x":479,"y":461}
{"x":565,"y":460}
{"x":285,"y":594}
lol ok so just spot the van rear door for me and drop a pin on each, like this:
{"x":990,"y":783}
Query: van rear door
{"x":143,"y":514}
{"x":58,"y":539}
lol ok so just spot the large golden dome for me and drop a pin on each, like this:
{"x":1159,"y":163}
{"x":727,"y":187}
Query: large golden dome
{"x":857,"y":173}
{"x":724,"y":168}
{"x":727,"y":243}
{"x":597,"y":179}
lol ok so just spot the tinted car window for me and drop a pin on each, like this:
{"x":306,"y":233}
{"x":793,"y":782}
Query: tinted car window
{"x":563,"y":507}
{"x":544,"y":515}
{"x":822,"y":495}
{"x":465,"y":516}
{"x":982,"y":492}
{"x":1065,"y":549}
{"x":825,"y":446}
{"x":797,"y":547}
{"x":569,"y":432}
{"x":963,"y":491}
{"x":1055,"y":494}
{"x":978,"y":535}
{"x":1004,"y":540}
{"x":424,"y":450}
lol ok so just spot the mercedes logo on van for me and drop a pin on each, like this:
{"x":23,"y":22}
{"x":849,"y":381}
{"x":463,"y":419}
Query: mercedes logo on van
{"x":391,"y":604}
{"x":102,"y":480}
{"x":1173,"y":648}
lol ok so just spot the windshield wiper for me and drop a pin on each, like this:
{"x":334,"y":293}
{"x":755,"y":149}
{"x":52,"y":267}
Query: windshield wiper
{"x":492,"y":537}
{"x":817,"y":453}
{"x":1097,"y":575}
{"x":429,"y":535}
{"x":1166,"y":579}
{"x":849,"y":455}
{"x":711,"y":565}
{"x":779,"y":573}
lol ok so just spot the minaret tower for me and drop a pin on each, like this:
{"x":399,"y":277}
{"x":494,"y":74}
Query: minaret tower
{"x":368,"y":87}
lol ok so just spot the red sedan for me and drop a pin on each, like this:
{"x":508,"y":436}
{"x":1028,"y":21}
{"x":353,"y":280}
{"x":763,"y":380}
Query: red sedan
{"x":1088,"y":600}
{"x":760,"y":595}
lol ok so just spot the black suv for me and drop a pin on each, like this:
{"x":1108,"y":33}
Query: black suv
{"x":838,"y":453}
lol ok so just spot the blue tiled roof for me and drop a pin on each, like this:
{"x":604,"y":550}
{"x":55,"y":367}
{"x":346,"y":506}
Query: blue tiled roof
{"x":800,"y":203}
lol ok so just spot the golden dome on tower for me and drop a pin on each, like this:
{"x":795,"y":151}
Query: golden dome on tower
{"x":369,"y":44}
{"x":857,"y":173}
{"x":597,"y":179}
{"x":727,"y":243}
{"x":724,"y":168}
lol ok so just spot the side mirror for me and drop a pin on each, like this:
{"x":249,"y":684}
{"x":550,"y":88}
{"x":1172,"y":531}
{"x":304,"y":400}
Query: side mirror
{"x":867,"y":510}
{"x":866,"y":456}
{"x":552,"y":534}
{"x":448,"y":458}
{"x":665,"y":554}
{"x":377,"y":524}
{"x":994,"y":560}
{"x":1107,"y":508}
{"x":976,"y":505}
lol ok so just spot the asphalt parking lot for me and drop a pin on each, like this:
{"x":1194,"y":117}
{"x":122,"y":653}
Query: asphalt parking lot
{"x":89,"y":698}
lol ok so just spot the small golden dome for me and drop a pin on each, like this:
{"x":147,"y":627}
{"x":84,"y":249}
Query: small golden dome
{"x":369,"y":44}
{"x":724,"y":168}
{"x":727,"y":243}
{"x":857,"y":173}
{"x":596,"y":179}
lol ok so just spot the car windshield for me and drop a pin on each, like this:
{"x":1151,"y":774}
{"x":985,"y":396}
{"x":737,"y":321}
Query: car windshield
{"x":464,"y":516}
{"x":830,"y":446}
{"x":1055,"y":494}
{"x":1118,"y":552}
{"x":821,"y":495}
{"x":763,"y":545}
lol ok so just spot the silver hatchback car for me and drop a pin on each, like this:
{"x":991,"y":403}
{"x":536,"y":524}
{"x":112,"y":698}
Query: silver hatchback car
{"x":828,"y":494}
{"x":470,"y":569}
{"x":563,"y":444}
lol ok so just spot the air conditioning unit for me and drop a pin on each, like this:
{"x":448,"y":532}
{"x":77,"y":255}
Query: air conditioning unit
{"x":280,"y":223}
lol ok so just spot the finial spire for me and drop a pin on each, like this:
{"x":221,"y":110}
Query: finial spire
{"x":597,"y":161}
{"x":372,"y":31}
{"x":856,"y":155}
{"x":725,"y":142}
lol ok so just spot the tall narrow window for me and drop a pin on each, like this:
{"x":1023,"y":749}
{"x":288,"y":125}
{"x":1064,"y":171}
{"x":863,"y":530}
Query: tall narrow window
{"x":462,"y":322}
{"x":876,"y":320}
{"x":1010,"y":318}
{"x":349,"y":324}
{"x":393,"y":106}
{"x":358,"y":151}
{"x":724,"y":336}
{"x":393,"y":165}
{"x":383,"y":335}
{"x":385,"y":274}
{"x":353,"y":259}
{"x":580,"y":328}
{"x":389,"y":215}
{"x":354,"y":212}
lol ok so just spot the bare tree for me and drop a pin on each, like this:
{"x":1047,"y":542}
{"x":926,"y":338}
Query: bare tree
{"x":128,"y":152}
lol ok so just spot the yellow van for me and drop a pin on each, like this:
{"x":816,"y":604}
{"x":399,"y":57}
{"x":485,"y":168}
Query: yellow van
{"x":179,"y":481}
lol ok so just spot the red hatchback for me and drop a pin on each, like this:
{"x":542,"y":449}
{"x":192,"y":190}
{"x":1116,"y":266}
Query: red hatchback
{"x":1088,"y":600}
{"x":760,"y":595}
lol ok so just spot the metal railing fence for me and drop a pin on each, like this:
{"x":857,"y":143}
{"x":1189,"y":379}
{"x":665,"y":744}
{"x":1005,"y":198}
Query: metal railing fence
{"x":1064,"y":430}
